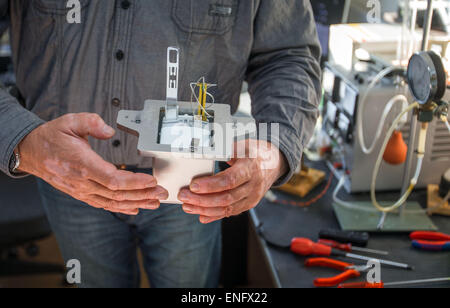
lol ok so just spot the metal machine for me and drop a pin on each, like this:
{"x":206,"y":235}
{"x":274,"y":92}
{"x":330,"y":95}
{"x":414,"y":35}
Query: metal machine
{"x":426,"y":80}
{"x":343,"y":92}
{"x":184,"y":138}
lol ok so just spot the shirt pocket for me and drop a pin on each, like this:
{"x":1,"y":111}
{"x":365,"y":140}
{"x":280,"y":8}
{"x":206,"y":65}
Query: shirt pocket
{"x":215,"y":17}
{"x":56,"y":7}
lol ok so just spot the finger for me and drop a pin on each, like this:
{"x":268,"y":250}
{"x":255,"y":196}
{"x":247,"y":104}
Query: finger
{"x":130,"y":212}
{"x":95,"y":168}
{"x":214,"y":212}
{"x":207,"y":211}
{"x":222,"y":199}
{"x":92,"y":201}
{"x":134,"y":212}
{"x":107,"y":175}
{"x":89,"y":124}
{"x":125,"y":205}
{"x":126,"y":180}
{"x":233,"y":177}
{"x":232,"y":210}
{"x":207,"y":220}
{"x":157,"y":193}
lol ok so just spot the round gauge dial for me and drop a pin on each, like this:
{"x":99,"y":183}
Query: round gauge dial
{"x":426,"y":77}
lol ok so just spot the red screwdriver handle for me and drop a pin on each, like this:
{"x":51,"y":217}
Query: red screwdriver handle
{"x":429,"y":236}
{"x":334,"y":244}
{"x":306,"y":247}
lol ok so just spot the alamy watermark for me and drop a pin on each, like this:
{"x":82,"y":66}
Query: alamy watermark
{"x":74,"y":12}
{"x":236,"y":140}
{"x":73,"y":275}
{"x":374,"y":14}
{"x":374,"y":271}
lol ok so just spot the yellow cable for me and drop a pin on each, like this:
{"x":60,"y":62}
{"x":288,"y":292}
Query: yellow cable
{"x":205,"y":91}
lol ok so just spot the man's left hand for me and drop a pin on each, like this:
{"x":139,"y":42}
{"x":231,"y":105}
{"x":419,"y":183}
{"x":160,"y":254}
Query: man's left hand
{"x":237,"y":189}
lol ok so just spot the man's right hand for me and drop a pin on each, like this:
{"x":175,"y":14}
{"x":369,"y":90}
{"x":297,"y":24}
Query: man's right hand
{"x":59,"y":153}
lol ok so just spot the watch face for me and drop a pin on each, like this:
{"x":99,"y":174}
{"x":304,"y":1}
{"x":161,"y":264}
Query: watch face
{"x":12,"y":163}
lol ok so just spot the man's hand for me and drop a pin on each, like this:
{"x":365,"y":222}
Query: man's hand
{"x":59,"y":153}
{"x":237,"y":189}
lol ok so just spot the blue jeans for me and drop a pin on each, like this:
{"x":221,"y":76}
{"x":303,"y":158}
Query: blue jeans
{"x":178,"y":251}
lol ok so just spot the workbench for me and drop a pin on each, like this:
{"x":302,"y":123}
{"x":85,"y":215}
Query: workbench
{"x":281,"y":223}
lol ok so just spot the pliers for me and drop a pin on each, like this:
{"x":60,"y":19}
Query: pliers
{"x":349,"y":271}
{"x":431,"y":241}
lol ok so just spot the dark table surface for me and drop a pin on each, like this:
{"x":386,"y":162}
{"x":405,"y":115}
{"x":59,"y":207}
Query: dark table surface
{"x":283,"y":222}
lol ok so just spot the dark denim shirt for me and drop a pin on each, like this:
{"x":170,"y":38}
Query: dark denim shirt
{"x":116,"y":58}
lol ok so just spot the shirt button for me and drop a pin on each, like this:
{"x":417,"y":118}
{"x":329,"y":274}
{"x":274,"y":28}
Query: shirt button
{"x":120,"y":55}
{"x":125,"y":4}
{"x":115,"y":102}
{"x":116,"y":143}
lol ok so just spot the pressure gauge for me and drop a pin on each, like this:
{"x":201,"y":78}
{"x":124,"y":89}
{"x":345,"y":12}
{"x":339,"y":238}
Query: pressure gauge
{"x":426,"y":77}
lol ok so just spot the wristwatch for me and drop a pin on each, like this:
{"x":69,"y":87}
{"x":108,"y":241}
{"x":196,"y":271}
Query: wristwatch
{"x":14,"y":162}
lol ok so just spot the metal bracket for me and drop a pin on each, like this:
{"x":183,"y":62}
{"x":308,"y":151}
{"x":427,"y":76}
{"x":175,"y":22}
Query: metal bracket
{"x":174,"y":168}
{"x":173,"y":59}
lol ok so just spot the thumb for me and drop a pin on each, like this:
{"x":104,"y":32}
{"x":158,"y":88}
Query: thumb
{"x":91,"y":124}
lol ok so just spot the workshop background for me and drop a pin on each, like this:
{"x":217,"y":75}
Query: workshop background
{"x":356,"y":48}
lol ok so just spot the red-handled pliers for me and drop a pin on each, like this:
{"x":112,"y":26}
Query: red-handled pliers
{"x":349,"y":271}
{"x":431,"y":241}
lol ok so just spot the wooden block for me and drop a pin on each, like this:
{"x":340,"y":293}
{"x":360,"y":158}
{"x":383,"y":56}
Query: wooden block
{"x":304,"y":182}
{"x":434,"y":200}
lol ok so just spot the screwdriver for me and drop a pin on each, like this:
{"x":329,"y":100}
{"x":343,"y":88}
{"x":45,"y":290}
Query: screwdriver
{"x":350,"y":247}
{"x":381,"y":285}
{"x":359,"y":239}
{"x":306,"y":247}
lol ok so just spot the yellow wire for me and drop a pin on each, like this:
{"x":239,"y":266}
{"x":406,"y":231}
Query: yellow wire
{"x":205,"y":89}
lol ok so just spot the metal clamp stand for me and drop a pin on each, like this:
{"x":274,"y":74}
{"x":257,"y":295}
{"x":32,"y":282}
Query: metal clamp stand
{"x":413,"y":128}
